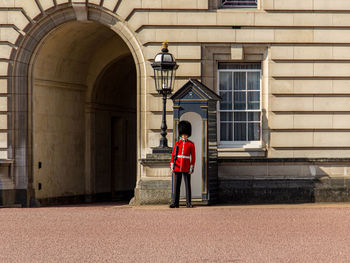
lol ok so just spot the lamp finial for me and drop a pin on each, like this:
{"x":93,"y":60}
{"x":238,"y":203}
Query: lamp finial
{"x":165,"y":46}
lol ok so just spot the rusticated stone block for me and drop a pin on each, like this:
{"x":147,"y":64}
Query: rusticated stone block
{"x":152,"y":192}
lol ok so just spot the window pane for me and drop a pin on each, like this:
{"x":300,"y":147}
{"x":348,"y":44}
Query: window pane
{"x":240,"y":116}
{"x":239,"y":101}
{"x":253,"y":81}
{"x":253,"y":100}
{"x":240,"y":132}
{"x":226,"y":116}
{"x":239,"y":3}
{"x":225,"y":131}
{"x":225,"y":80}
{"x":226,"y":102}
{"x":254,"y":132}
{"x":240,"y":113}
{"x":253,"y":116}
{"x":239,"y":80}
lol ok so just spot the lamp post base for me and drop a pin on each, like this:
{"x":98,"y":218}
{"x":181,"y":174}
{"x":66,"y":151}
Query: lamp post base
{"x":161,"y":150}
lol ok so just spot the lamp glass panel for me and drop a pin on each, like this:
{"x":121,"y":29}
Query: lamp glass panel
{"x":158,"y":57}
{"x":167,"y":58}
{"x":173,"y":78}
{"x":166,"y":79}
{"x":158,"y":81}
{"x":169,"y":79}
{"x":162,"y":79}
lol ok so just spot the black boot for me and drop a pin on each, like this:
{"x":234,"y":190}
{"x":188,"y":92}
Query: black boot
{"x":173,"y":206}
{"x":176,"y":198}
{"x":187,"y":178}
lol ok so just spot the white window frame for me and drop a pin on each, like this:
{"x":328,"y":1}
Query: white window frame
{"x":239,"y":144}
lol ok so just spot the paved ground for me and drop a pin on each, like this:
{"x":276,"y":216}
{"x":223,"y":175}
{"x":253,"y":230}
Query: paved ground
{"x":119,"y":233}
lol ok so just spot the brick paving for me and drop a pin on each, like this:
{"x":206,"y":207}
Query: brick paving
{"x":120,"y":233}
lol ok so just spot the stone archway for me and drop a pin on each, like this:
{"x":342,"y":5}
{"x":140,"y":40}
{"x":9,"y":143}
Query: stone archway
{"x":61,"y":53}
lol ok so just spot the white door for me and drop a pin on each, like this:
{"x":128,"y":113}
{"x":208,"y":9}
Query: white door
{"x":196,"y":138}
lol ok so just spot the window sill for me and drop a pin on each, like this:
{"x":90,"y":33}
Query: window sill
{"x":238,"y":7}
{"x":241,"y":152}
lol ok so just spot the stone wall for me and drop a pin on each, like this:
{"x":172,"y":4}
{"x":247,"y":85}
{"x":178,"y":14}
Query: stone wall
{"x":284,"y":180}
{"x":308,"y":59}
{"x":59,"y":146}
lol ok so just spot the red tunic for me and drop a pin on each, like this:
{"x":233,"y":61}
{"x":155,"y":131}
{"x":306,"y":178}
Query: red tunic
{"x":186,"y":156}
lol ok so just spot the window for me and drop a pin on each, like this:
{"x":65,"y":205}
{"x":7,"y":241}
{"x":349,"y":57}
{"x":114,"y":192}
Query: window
{"x":239,"y":3}
{"x":240,"y":107}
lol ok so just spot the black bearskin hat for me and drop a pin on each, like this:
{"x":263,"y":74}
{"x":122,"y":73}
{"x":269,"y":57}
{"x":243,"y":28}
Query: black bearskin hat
{"x":185,"y":128}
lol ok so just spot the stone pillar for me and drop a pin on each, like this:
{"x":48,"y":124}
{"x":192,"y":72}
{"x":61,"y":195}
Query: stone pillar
{"x":156,"y":187}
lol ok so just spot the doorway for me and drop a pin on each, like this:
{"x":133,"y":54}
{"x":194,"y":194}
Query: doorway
{"x":196,"y":138}
{"x":115,"y":130}
{"x":84,"y":99}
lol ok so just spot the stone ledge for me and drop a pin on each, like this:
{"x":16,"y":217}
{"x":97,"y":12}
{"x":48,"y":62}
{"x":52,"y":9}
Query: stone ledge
{"x":156,"y":159}
{"x":282,"y":160}
{"x":228,"y":153}
{"x":283,"y":191}
{"x":6,"y":162}
{"x":268,"y":183}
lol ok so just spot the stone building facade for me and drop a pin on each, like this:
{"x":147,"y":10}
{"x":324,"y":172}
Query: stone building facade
{"x":79,"y":113}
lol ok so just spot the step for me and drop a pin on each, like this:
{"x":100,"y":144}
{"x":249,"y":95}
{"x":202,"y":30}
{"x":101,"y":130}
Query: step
{"x":11,"y":206}
{"x":195,"y":201}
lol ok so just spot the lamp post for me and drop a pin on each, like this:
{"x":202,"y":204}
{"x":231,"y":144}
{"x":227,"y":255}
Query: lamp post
{"x":164,"y":67}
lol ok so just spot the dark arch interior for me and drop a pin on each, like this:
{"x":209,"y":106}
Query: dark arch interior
{"x":115,"y":107}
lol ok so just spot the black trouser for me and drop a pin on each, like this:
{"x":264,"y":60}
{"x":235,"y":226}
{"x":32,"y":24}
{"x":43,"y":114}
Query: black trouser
{"x":187,"y":179}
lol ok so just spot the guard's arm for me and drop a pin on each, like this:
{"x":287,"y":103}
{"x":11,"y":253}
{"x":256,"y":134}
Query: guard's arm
{"x":173,"y":157}
{"x":193,"y":158}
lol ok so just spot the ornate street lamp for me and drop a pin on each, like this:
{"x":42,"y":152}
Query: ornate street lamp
{"x":164,"y":67}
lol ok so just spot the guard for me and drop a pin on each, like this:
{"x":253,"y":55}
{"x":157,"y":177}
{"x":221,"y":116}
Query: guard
{"x":182,"y":163}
